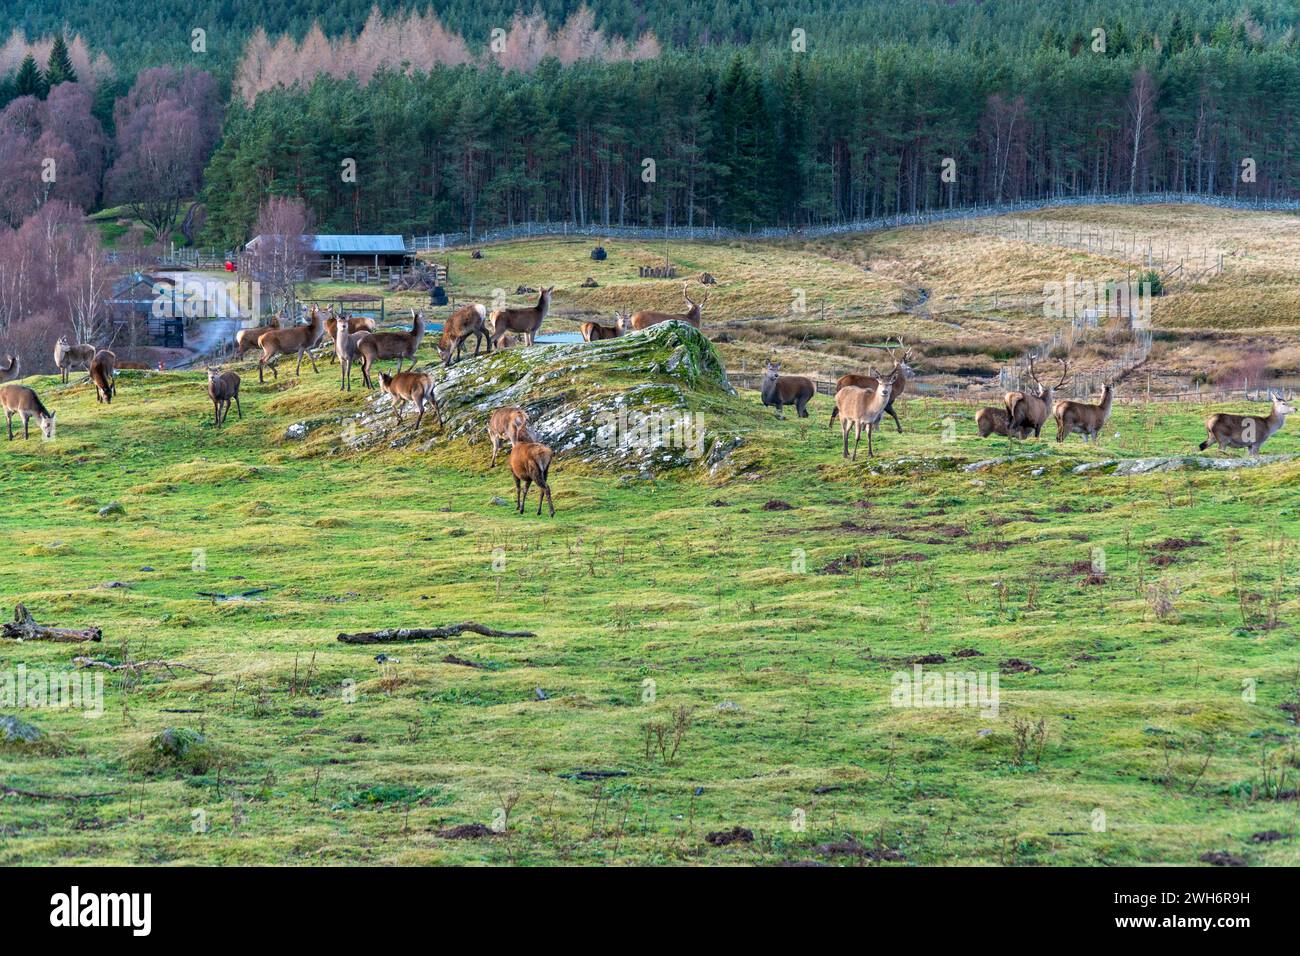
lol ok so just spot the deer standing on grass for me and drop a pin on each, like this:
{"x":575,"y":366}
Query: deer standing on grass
{"x":647,"y":317}
{"x":595,"y":332}
{"x":356,"y":324}
{"x":1246,"y":431}
{"x":414,"y":387}
{"x":898,"y":376}
{"x":300,"y":339}
{"x":68,"y":356}
{"x":103,"y":372}
{"x":23,"y":401}
{"x":246,"y":339}
{"x":995,"y":421}
{"x":11,"y":369}
{"x":398,"y":345}
{"x":1087,"y":420}
{"x":782,"y":390}
{"x":1026,"y":411}
{"x":523,"y":322}
{"x":348,"y":349}
{"x":509,"y":424}
{"x":858,"y":409}
{"x":466,"y":321}
{"x":223,"y":388}
{"x":530,"y":461}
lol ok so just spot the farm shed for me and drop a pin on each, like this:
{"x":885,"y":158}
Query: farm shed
{"x":131,"y":308}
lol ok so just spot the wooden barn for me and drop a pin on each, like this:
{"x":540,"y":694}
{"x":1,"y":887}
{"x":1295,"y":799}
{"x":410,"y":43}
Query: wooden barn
{"x":132,"y":312}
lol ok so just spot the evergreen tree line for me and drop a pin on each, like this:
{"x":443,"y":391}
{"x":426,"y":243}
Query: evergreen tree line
{"x":751,"y":141}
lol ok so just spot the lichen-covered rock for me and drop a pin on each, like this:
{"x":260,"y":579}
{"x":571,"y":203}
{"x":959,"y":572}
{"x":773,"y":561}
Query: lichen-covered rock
{"x":178,"y":749}
{"x":14,"y":730}
{"x":651,"y":401}
{"x":1142,"y":466}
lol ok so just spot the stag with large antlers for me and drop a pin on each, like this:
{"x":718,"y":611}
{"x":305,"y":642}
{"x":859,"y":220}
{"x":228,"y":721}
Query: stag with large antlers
{"x":898,"y":376}
{"x":647,"y":317}
{"x":1026,"y":411}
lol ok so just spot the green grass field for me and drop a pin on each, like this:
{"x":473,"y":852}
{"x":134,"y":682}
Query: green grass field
{"x":708,"y":657}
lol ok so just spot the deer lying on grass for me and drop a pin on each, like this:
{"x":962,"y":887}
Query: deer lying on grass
{"x":223,"y":388}
{"x":348,"y":349}
{"x":300,"y":339}
{"x":1087,"y":420}
{"x":523,"y":322}
{"x":782,"y":390}
{"x":859,"y":408}
{"x":414,"y":387}
{"x":595,"y":332}
{"x":398,"y":345}
{"x":103,"y":372}
{"x":66,"y":356}
{"x":509,"y":424}
{"x":898,"y":376}
{"x":246,"y":339}
{"x":647,"y":317}
{"x":530,"y":461}
{"x":466,"y":321}
{"x":995,"y":421}
{"x":21,"y":400}
{"x":1027,"y":411}
{"x":1246,"y":431}
{"x":10,"y":371}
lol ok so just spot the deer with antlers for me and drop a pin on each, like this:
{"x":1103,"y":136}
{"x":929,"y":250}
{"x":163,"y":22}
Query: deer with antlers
{"x":1246,"y":431}
{"x":300,"y":339}
{"x":466,"y":321}
{"x":67,"y":356}
{"x":522,"y":322}
{"x":646,"y":318}
{"x":1087,"y":420}
{"x":1026,"y":411}
{"x":898,"y":376}
{"x":595,"y":332}
{"x":858,"y":409}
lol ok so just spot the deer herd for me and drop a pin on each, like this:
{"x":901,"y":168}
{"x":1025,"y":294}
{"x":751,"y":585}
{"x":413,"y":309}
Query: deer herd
{"x":860,"y":401}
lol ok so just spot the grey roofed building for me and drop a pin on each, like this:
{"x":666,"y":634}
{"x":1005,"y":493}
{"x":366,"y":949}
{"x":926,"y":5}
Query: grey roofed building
{"x":373,"y":250}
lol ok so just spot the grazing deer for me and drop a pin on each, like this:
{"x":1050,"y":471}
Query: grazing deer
{"x":529,"y":463}
{"x":246,"y":339}
{"x":782,"y":390}
{"x":223,"y":388}
{"x":647,"y":317}
{"x":1246,"y":431}
{"x":898,"y":376}
{"x":523,"y":322}
{"x":398,"y":345}
{"x":414,"y":387}
{"x":356,"y":325}
{"x":21,"y":400}
{"x":859,"y":408}
{"x":103,"y":372}
{"x":300,"y":339}
{"x":995,"y":421}
{"x":348,"y":349}
{"x":509,"y":424}
{"x":1027,"y":411}
{"x":1087,"y":420}
{"x":67,"y":356}
{"x":595,"y":332}
{"x":504,"y":341}
{"x":11,"y":369}
{"x":466,"y":321}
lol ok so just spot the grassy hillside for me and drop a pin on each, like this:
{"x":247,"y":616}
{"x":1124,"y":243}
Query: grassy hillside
{"x":765,"y":637}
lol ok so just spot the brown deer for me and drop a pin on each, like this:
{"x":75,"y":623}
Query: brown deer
{"x":349,"y":350}
{"x":11,"y":369}
{"x":68,"y":356}
{"x":782,"y":390}
{"x":523,"y":322}
{"x":414,"y":387}
{"x":21,"y":400}
{"x":398,"y":345}
{"x":1246,"y":431}
{"x":859,"y":408}
{"x":103,"y":372}
{"x":530,"y":461}
{"x":223,"y":388}
{"x":647,"y":317}
{"x":504,"y":341}
{"x":898,"y":376}
{"x":995,"y":421}
{"x":246,"y":339}
{"x":595,"y":332}
{"x":466,"y":321}
{"x":356,"y":325}
{"x":509,"y":424}
{"x":1025,"y":411}
{"x":300,"y":339}
{"x":1087,"y":420}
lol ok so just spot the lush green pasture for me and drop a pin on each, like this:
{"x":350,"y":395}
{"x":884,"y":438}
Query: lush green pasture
{"x":760,"y":642}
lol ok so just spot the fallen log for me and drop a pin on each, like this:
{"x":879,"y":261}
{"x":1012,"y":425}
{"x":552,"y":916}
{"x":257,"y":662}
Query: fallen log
{"x":136,"y":666}
{"x":426,"y":633}
{"x":24,"y":628}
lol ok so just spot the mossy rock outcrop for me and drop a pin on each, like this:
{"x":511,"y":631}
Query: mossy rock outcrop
{"x":651,"y":400}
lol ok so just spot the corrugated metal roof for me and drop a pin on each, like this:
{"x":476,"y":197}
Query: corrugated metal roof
{"x":355,"y":245}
